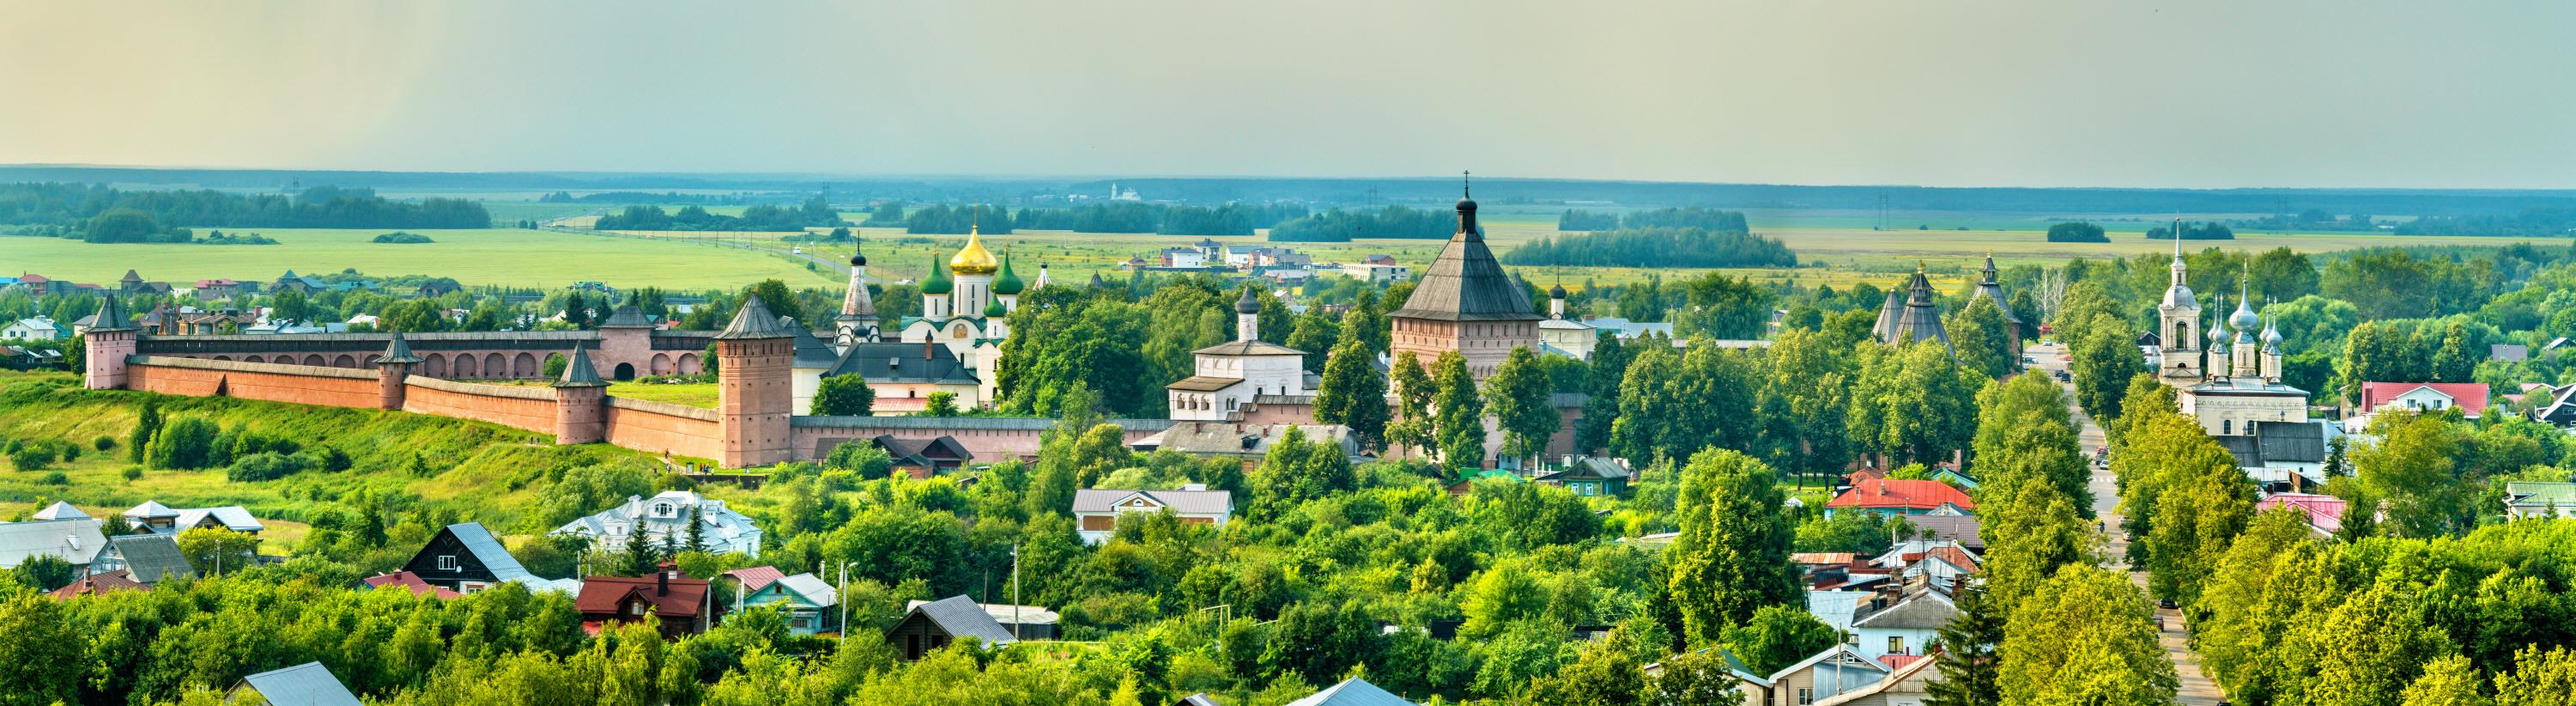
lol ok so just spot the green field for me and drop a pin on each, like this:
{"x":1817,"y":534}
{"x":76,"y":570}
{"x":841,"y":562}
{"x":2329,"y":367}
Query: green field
{"x":1839,"y":248}
{"x":505,"y":256}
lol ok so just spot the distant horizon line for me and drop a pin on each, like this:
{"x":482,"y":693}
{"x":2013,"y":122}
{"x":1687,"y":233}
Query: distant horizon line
{"x":1003,"y":177}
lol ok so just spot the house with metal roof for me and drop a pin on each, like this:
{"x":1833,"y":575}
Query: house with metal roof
{"x":1097,"y":509}
{"x":2323,"y":512}
{"x":1909,"y":685}
{"x":754,"y":578}
{"x":97,"y":583}
{"x":148,"y":558}
{"x":1026,"y":622}
{"x":664,"y":520}
{"x":1590,"y":476}
{"x":1892,"y":498}
{"x":2282,"y":456}
{"x":929,"y":626}
{"x":163,"y":519}
{"x":805,"y":598}
{"x":1352,"y":692}
{"x":34,"y":329}
{"x":905,"y":375}
{"x":465,"y":558}
{"x":76,"y":540}
{"x":1905,"y":625}
{"x":2524,"y":500}
{"x":1837,"y":670}
{"x":307,"y":684}
{"x":1242,"y":442}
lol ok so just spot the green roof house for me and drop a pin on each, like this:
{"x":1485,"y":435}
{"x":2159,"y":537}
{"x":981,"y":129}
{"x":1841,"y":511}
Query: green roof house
{"x":806,"y":599}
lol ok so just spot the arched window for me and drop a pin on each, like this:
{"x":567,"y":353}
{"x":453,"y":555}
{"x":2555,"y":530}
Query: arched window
{"x":2226,"y":426}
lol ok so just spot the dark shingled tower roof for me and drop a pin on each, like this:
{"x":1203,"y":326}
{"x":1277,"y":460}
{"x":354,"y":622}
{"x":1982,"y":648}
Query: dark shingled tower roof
{"x":1466,"y":283}
{"x":753,"y":320}
{"x":1993,"y":288}
{"x":578,"y":371}
{"x":1921,"y":319}
{"x":1888,"y":313}
{"x":397,"y":351}
{"x":111,"y":316}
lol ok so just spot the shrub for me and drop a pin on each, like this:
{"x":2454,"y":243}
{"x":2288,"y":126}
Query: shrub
{"x":32,"y":457}
{"x":185,"y":444}
{"x":54,"y":478}
{"x":402,"y":238}
{"x":132,"y":473}
{"x":103,"y":442}
{"x":68,"y":451}
{"x":266,"y":465}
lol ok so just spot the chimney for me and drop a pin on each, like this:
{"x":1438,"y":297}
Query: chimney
{"x":925,"y":350}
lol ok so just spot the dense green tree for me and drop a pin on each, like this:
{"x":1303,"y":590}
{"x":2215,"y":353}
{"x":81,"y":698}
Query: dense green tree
{"x":1913,"y":405}
{"x":2103,"y":361}
{"x":844,"y":395}
{"x":2076,"y":232}
{"x":1461,"y":414}
{"x":2026,"y":434}
{"x":1518,"y":396}
{"x":1982,"y":340}
{"x":2197,"y":517}
{"x":1606,"y":675}
{"x":1414,"y":392}
{"x":2456,"y":360}
{"x":2086,"y":637}
{"x":1700,"y":678}
{"x":1778,"y":636}
{"x":1967,"y":658}
{"x":1353,"y":394}
{"x":147,"y":421}
{"x":1732,"y":557}
{"x":1806,"y":399}
{"x":1314,"y":333}
{"x":42,"y":661}
{"x":2413,"y":469}
{"x":2029,"y":538}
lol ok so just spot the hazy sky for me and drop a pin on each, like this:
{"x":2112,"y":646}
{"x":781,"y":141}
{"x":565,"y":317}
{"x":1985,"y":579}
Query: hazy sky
{"x":1936,"y":92}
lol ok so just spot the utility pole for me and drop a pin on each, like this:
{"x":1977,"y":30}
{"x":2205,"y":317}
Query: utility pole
{"x":841,"y":595}
{"x":1015,"y":593}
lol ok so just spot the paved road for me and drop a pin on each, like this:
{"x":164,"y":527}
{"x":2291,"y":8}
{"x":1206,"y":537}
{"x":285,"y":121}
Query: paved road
{"x":2197,"y":689}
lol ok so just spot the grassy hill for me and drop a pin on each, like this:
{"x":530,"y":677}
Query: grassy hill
{"x":484,"y":472}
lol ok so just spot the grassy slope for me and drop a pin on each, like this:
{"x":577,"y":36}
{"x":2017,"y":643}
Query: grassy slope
{"x":487,"y":471}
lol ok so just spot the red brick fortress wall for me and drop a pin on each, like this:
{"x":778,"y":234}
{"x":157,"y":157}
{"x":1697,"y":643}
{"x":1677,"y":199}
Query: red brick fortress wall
{"x":530,"y":408}
{"x":663,"y":427}
{"x":300,"y":384}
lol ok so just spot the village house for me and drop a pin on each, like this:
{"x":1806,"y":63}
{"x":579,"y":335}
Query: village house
{"x":2416,"y":397}
{"x":664,"y":519}
{"x":1242,"y":442}
{"x":1098,"y":509}
{"x":2526,"y":500}
{"x":804,"y":598}
{"x":307,"y":684}
{"x":1892,"y":498}
{"x":1754,"y":689}
{"x":465,"y":558}
{"x":73,"y":538}
{"x":2324,"y":513}
{"x":1590,"y":476}
{"x":1025,"y":622}
{"x":148,"y":559}
{"x":1837,"y":670}
{"x":33,"y":329}
{"x":99,"y":583}
{"x":678,"y":605}
{"x":1909,"y":685}
{"x":1352,"y":692}
{"x":162,"y":519}
{"x":1904,"y":625}
{"x":926,"y":627}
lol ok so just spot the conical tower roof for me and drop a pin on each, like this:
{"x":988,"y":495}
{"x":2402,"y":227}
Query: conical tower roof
{"x":111,"y":315}
{"x":753,"y":320}
{"x":578,"y":371}
{"x":1921,"y":319}
{"x":397,"y":351}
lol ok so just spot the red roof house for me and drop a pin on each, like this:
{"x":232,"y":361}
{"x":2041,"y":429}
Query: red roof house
{"x":678,"y":604}
{"x":757,"y":577}
{"x":1903,"y":497}
{"x":2469,"y":397}
{"x":94,"y":584}
{"x":409,"y":581}
{"x":2325,"y":512}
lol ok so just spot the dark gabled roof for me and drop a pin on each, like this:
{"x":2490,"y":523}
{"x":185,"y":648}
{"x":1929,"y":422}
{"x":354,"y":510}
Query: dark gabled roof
{"x":2277,"y":442}
{"x":903,"y":362}
{"x":1466,"y":283}
{"x":1204,"y":383}
{"x":754,"y":320}
{"x":627,"y":316}
{"x":920,"y":451}
{"x":1950,"y":528}
{"x":578,"y":372}
{"x":488,"y":550}
{"x":960,"y":617}
{"x":152,"y":558}
{"x":307,"y":684}
{"x":811,"y":352}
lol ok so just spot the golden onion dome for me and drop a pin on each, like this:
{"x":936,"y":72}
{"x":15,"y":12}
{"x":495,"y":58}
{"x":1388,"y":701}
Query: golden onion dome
{"x":974,"y":259}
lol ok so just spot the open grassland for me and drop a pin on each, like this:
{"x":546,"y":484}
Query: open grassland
{"x":490,"y":473}
{"x":1839,"y":249}
{"x":496,"y":256}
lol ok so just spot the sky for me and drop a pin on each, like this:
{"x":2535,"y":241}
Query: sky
{"x":2186,"y":93}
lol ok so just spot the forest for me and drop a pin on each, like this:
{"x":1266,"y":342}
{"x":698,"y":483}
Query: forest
{"x":815,"y":213}
{"x":1339,"y":226}
{"x":63,"y":204}
{"x":1690,"y":246}
{"x":1228,"y":219}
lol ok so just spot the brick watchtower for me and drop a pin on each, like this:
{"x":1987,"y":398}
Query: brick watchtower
{"x":581,"y":400}
{"x":107,"y":344}
{"x":755,"y":386}
{"x":391,"y":369}
{"x":1465,"y":302}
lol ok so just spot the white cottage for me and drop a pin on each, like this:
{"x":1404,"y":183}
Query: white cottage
{"x":664,"y":520}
